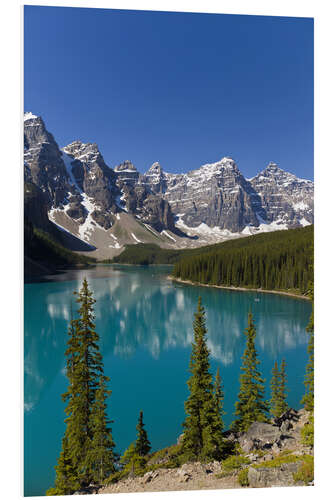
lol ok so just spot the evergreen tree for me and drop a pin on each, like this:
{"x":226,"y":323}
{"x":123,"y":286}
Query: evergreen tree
{"x":308,"y":398}
{"x":100,"y":457}
{"x":87,"y":453}
{"x":219,"y":395}
{"x":274,"y":403}
{"x":203,"y":426}
{"x":278,"y":403}
{"x":142,"y":444}
{"x":66,"y":482}
{"x":132,"y":462}
{"x":250,"y":406}
{"x":283,"y":387}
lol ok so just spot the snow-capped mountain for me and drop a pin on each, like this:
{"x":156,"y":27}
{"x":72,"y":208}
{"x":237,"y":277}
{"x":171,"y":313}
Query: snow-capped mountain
{"x":285,"y":198}
{"x":109,"y":207}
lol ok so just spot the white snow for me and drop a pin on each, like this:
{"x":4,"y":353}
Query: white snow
{"x":202,"y":229}
{"x":68,"y":164}
{"x":136,"y":239}
{"x":168,"y":235}
{"x":300,"y":206}
{"x":304,"y":222}
{"x":264,"y":227}
{"x":29,"y":116}
{"x":151,"y":229}
{"x":121,"y":202}
{"x":116,"y":245}
{"x":52,"y":218}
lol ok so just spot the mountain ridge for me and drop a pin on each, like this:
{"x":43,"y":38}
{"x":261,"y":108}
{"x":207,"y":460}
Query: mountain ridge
{"x":208,"y":204}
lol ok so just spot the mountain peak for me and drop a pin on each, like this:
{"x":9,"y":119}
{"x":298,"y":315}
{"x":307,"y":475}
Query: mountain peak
{"x":29,"y":116}
{"x":126,"y":165}
{"x":79,"y":149}
{"x":273,"y":167}
{"x":224,"y":163}
{"x":155,"y":169}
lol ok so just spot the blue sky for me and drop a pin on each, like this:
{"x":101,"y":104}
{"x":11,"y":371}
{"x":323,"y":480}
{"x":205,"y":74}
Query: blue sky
{"x":181,"y":89}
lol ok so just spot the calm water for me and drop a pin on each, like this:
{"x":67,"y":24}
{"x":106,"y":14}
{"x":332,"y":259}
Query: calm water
{"x":145,"y":325}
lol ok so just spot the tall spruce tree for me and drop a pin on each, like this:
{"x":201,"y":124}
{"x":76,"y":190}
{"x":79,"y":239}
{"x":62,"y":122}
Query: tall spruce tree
{"x":274,"y":402}
{"x":251,"y":406}
{"x":308,"y":398}
{"x":278,"y":402}
{"x":283,"y":387}
{"x":219,"y":395}
{"x":142,"y":444}
{"x":100,"y":459}
{"x":203,"y":424}
{"x":87,"y":452}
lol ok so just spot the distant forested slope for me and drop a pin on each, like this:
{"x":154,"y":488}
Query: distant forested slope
{"x":282,"y":260}
{"x":42,"y":253}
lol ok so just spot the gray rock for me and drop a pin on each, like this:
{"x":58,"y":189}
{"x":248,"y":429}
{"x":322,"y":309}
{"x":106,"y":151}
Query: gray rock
{"x":263,"y":435}
{"x":43,"y":162}
{"x":283,"y":196}
{"x":285,"y":426}
{"x":272,"y":476}
{"x":247,"y":445}
{"x":276,"y":448}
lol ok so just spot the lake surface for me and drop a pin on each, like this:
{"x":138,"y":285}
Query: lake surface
{"x":145,"y":327}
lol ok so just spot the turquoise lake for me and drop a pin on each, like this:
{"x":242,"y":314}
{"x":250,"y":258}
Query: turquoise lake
{"x":145,"y":327}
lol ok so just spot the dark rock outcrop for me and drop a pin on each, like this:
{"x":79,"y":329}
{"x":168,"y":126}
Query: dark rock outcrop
{"x":157,"y":213}
{"x":43,"y":161}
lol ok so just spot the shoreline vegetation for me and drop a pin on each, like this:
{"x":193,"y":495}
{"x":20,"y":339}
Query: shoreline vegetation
{"x":239,"y":289}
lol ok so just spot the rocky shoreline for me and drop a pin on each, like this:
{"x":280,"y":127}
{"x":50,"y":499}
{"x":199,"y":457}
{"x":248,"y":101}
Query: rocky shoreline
{"x":269,"y":454}
{"x":238,"y":289}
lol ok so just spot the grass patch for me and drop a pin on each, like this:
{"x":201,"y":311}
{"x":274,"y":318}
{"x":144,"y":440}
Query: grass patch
{"x":305,"y":473}
{"x":234,"y":462}
{"x":278,"y":461}
{"x":308,"y":433}
{"x":231,"y":465}
{"x":243,"y":477}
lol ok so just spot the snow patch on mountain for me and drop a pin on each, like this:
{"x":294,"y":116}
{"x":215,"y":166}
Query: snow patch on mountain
{"x":304,"y":222}
{"x":168,"y":235}
{"x":300,"y":206}
{"x":88,"y":227}
{"x":136,"y":239}
{"x":29,"y":116}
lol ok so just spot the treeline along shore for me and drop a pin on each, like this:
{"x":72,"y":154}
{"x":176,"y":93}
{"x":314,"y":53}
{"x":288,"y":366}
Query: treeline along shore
{"x":281,"y":261}
{"x":239,"y":289}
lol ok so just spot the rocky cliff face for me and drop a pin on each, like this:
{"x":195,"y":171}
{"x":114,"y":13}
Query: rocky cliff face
{"x":284,"y":197}
{"x":43,"y":161}
{"x":216,"y":194}
{"x":211,"y":203}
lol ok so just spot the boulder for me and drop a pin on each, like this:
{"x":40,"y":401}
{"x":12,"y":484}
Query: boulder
{"x":285,"y":426}
{"x":272,"y":476}
{"x":260,"y":435}
{"x":248,"y":445}
{"x":149,"y":476}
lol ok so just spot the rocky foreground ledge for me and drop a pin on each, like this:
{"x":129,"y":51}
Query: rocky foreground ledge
{"x":267,"y":455}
